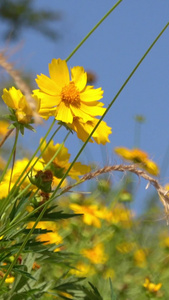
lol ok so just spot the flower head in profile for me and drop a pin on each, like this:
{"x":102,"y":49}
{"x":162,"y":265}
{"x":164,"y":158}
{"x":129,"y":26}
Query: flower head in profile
{"x":61,"y":163}
{"x":68,"y":96}
{"x":139,"y":157}
{"x":151,"y":287}
{"x":17,"y":101}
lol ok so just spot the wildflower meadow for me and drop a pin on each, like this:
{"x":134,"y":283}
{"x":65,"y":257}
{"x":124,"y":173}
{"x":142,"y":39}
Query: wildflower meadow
{"x":68,"y":229}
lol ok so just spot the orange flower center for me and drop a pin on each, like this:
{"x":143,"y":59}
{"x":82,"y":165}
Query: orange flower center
{"x":70,"y":94}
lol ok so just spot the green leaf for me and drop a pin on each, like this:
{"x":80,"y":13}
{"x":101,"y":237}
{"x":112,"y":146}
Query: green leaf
{"x":112,"y":294}
{"x":54,"y":216}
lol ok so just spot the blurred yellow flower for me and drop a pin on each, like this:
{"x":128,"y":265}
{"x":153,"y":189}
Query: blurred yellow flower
{"x":68,"y":97}
{"x":152,"y":287}
{"x":138,"y":157}
{"x":96,"y":255}
{"x":140,"y":258}
{"x":17,"y":101}
{"x":91,"y":213}
{"x":9,"y":279}
{"x":51,"y":237}
{"x":3,"y":127}
{"x":118,"y":215}
{"x":19,"y":166}
{"x":83,"y":130}
{"x":82,"y":269}
{"x":61,"y":162}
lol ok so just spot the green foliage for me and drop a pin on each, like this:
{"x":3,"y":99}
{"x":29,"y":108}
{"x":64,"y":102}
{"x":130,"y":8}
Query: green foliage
{"x":20,"y":15}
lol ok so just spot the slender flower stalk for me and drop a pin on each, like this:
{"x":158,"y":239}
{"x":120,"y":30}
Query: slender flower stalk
{"x":93,"y":29}
{"x":11,"y":155}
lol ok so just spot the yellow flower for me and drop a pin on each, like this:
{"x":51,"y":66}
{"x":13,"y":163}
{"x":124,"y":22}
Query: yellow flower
{"x":83,"y":129}
{"x":119,"y":215}
{"x":3,"y":127}
{"x":19,"y":166}
{"x":82,"y":269}
{"x":91,"y":214}
{"x":68,"y":97}
{"x":51,"y":237}
{"x":138,"y":157}
{"x":61,"y":162}
{"x":152,"y":287}
{"x":140,"y":258}
{"x":17,"y":101}
{"x":96,"y":255}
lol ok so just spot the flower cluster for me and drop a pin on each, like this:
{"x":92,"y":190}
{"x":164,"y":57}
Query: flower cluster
{"x":58,"y":167}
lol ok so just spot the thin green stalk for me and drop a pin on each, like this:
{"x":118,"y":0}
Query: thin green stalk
{"x":11,"y":155}
{"x":94,"y":28}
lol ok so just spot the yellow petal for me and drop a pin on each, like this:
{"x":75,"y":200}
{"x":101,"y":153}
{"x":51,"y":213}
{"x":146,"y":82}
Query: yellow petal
{"x":47,"y":85}
{"x":79,"y":76}
{"x":90,"y":94}
{"x":79,"y":113}
{"x":12,"y":97}
{"x":59,"y":72}
{"x":80,"y":130}
{"x":101,"y":134}
{"x":45,"y":113}
{"x":47,"y":101}
{"x":92,"y":110}
{"x":63,"y":113}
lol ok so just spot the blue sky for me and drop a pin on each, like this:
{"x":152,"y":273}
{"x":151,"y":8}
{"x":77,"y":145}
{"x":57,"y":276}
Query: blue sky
{"x":112,"y":52}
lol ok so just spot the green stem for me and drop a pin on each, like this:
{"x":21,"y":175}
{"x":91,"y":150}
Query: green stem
{"x":11,"y":155}
{"x":94,"y":28}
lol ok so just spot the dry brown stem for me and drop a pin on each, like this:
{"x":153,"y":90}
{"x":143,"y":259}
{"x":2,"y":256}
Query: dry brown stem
{"x":162,"y":192}
{"x":20,"y":83}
